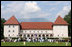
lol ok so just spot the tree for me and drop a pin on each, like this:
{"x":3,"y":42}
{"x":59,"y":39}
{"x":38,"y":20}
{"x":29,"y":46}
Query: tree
{"x":2,"y":27}
{"x":68,"y":19}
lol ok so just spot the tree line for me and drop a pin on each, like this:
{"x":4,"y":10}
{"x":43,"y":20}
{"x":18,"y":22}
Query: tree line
{"x":68,"y":19}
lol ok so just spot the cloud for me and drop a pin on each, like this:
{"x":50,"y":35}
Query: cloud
{"x":66,"y":8}
{"x":64,"y":11}
{"x":24,"y":7}
{"x":34,"y":9}
{"x":15,"y":6}
{"x":21,"y":8}
{"x":32,"y":6}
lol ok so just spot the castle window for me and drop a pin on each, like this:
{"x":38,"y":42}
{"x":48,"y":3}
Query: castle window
{"x":13,"y":26}
{"x":39,"y":35}
{"x":28,"y":35}
{"x":32,"y":35}
{"x":58,"y":35}
{"x":30,"y":31}
{"x":51,"y":35}
{"x":46,"y":35}
{"x":34,"y":31}
{"x":13,"y":30}
{"x":9,"y":35}
{"x":43,"y":35}
{"x":25,"y":31}
{"x":9,"y":26}
{"x":9,"y":31}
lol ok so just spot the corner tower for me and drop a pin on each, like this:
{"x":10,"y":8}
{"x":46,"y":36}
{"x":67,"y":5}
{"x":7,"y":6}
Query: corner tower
{"x":11,"y":27}
{"x":60,"y":27}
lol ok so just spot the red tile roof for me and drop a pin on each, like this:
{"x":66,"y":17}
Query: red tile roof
{"x":36,"y":25}
{"x":60,"y":20}
{"x":12,"y":20}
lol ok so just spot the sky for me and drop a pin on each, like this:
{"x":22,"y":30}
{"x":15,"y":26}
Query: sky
{"x":35,"y":11}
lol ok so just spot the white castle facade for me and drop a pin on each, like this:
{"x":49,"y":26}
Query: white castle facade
{"x":12,"y":28}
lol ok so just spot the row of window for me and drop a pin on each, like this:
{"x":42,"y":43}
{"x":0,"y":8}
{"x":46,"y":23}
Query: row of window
{"x":38,"y":35}
{"x":11,"y":25}
{"x":11,"y":35}
{"x":34,"y":31}
{"x":9,"y":31}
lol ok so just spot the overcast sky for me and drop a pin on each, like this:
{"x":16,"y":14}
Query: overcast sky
{"x":49,"y":10}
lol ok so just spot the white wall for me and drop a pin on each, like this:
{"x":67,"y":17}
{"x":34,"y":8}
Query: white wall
{"x":59,"y":30}
{"x":16,"y":30}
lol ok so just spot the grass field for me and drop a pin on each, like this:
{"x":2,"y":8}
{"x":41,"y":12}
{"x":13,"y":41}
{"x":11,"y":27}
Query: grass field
{"x":34,"y":44}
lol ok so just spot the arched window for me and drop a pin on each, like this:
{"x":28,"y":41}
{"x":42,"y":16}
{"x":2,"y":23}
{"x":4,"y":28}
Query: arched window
{"x":32,"y":35}
{"x":28,"y":35}
{"x":43,"y":35}
{"x":51,"y":35}
{"x":39,"y":35}
{"x":20,"y":34}
{"x":47,"y":35}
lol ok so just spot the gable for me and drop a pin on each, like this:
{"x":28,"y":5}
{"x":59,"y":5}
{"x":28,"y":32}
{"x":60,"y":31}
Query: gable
{"x":12,"y":20}
{"x":60,"y":21}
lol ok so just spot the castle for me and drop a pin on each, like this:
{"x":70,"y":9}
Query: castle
{"x":59,"y":28}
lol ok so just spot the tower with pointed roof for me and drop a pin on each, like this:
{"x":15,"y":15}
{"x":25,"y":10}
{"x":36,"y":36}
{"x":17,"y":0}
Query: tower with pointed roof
{"x":60,"y":27}
{"x":11,"y":27}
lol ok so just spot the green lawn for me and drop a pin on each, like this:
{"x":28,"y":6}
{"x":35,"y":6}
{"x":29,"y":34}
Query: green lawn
{"x":34,"y":44}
